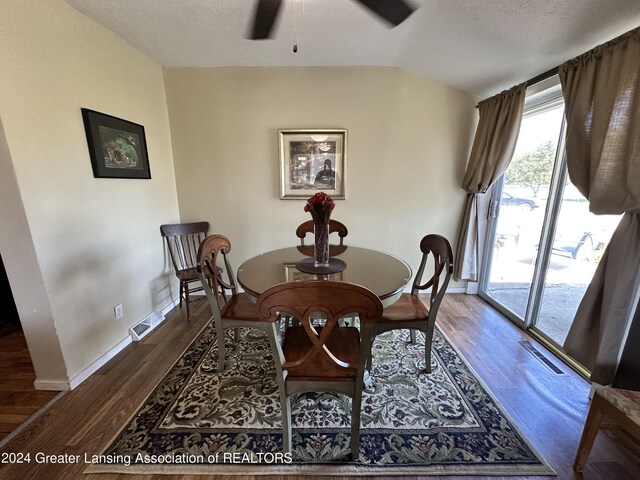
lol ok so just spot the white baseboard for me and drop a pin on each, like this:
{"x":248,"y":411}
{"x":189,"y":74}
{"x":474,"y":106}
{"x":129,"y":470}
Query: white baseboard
{"x":64,"y":385}
{"x":57,"y":385}
{"x":87,"y":372}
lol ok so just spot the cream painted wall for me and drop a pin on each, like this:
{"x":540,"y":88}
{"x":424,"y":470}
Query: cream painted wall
{"x":95,"y":242}
{"x":409,"y":140}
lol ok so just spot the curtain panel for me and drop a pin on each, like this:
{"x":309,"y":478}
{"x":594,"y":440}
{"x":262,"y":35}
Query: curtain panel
{"x":601,"y":90}
{"x":493,"y":146}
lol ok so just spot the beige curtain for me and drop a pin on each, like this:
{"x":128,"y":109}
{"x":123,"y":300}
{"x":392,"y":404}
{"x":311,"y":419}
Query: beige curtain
{"x":493,"y":146}
{"x":602,"y":102}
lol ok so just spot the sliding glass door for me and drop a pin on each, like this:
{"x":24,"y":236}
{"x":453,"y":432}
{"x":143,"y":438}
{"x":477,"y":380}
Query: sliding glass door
{"x":519,"y":207}
{"x":543,"y":245}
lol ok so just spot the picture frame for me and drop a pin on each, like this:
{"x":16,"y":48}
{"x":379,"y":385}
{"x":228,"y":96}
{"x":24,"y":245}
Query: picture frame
{"x":117,"y":147}
{"x":313,"y":160}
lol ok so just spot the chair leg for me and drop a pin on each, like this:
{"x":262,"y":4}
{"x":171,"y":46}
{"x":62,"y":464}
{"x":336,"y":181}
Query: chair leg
{"x":181,"y":292}
{"x":366,"y":343}
{"x":412,"y":335}
{"x":186,"y":300}
{"x":355,"y":426}
{"x":591,"y":427}
{"x":285,"y":405}
{"x":428,"y":340}
{"x":356,"y":403}
{"x":285,"y":402}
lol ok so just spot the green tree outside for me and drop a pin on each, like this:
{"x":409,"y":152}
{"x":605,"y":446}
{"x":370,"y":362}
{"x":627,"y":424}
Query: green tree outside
{"x":533,"y":168}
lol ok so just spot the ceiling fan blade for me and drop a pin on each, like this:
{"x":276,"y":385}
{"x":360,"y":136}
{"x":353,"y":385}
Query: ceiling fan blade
{"x":265,"y":16}
{"x":393,"y":11}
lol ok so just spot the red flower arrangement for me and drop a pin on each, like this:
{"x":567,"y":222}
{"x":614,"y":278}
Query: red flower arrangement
{"x":320,"y":206}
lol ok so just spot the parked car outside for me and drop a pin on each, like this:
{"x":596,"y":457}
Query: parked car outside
{"x":524,"y":203}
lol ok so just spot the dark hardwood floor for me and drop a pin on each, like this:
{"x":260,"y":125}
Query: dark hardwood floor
{"x":18,"y":397}
{"x":549,"y":408}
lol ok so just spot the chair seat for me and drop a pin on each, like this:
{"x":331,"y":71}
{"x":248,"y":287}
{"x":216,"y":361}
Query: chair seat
{"x":344,"y":343}
{"x":627,"y":401}
{"x":191,"y":274}
{"x":407,"y":308}
{"x":240,"y":307}
{"x":188,"y":274}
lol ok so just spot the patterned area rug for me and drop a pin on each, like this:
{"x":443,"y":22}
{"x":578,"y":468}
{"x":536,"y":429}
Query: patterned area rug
{"x":198,"y":420}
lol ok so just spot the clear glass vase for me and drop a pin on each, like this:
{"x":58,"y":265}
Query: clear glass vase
{"x":321,"y":245}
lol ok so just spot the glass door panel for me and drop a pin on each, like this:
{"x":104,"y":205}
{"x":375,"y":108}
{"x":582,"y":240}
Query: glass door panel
{"x":578,"y":243}
{"x":521,"y":211}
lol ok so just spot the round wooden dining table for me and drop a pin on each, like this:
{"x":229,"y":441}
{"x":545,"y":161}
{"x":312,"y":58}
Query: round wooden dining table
{"x":383,"y":273}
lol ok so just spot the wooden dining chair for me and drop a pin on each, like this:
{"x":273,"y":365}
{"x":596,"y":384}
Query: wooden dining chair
{"x":320,"y":358}
{"x":334,"y":227}
{"x":229,"y":308}
{"x":611,"y":408}
{"x":183,"y":241}
{"x":409,"y":312}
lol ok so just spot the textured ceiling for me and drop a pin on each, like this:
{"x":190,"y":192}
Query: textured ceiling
{"x":479,"y":46}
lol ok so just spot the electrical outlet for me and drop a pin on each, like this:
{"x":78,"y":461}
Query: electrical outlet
{"x":118,"y":311}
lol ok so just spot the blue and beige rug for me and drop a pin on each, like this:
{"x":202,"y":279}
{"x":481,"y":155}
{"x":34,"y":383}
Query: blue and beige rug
{"x":200,"y":421}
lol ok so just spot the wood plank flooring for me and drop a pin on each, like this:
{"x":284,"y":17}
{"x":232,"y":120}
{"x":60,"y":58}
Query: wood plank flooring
{"x":549,"y":408}
{"x":18,"y":397}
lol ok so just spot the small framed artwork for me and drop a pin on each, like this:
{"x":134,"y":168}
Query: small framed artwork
{"x":117,"y":147}
{"x":312,"y":161}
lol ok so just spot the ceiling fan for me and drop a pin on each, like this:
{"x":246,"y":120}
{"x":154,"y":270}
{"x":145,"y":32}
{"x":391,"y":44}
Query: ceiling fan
{"x":266,"y":12}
